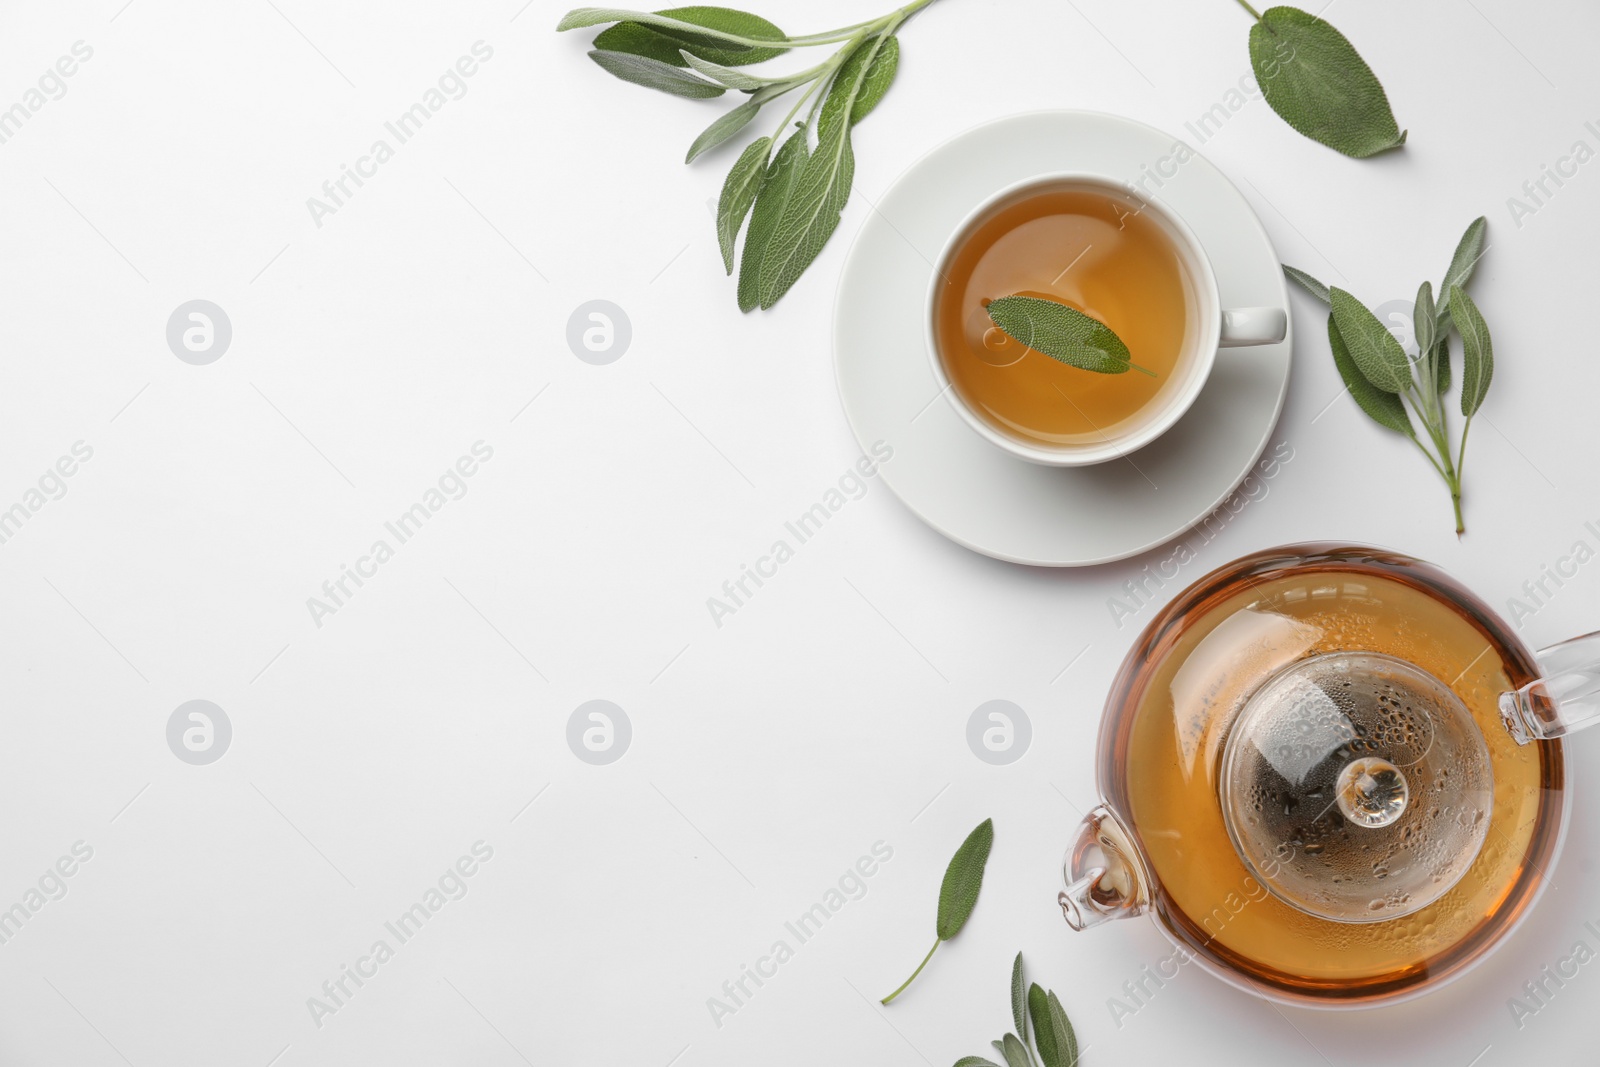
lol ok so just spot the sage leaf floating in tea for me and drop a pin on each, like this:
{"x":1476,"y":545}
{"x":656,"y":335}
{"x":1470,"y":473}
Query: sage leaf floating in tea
{"x":1389,"y":386}
{"x":1063,"y":333}
{"x":1316,"y":81}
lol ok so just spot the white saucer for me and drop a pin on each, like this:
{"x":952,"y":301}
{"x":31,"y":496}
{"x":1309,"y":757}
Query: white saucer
{"x":962,"y":485}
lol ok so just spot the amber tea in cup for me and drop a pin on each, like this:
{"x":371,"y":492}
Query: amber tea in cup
{"x":1098,"y":250}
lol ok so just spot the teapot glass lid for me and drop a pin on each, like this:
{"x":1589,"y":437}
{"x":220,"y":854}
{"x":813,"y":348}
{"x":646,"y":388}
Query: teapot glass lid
{"x":1356,"y":787}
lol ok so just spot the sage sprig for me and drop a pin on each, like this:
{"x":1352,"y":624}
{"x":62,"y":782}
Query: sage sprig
{"x":1064,"y":334}
{"x":1053,"y":1035}
{"x":1317,"y":82}
{"x":792,"y":183}
{"x":958,"y":893}
{"x":1390,"y":386}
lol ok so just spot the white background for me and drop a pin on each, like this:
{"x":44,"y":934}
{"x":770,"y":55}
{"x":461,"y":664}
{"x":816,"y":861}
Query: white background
{"x":369,"y":353}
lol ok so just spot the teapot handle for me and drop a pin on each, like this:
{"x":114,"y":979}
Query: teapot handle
{"x":1567,"y":698}
{"x":1105,"y":873}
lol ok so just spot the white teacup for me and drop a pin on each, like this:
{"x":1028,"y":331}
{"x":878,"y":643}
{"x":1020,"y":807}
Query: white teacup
{"x":1215,"y":326}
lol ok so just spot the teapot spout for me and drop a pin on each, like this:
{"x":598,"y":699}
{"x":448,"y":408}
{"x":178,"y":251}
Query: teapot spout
{"x":1105,"y":873}
{"x":1567,"y":698}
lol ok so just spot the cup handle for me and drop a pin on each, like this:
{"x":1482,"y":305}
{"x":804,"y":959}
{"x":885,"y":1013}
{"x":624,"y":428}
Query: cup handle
{"x":1242,"y":327}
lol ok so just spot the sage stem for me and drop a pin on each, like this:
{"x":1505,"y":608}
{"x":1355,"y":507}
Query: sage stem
{"x":1253,"y":12}
{"x":913,"y":977}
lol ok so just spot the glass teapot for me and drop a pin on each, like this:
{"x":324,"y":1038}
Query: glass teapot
{"x":1332,"y":775}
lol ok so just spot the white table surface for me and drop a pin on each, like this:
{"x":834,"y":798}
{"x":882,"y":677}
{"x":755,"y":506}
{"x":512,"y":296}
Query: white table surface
{"x":371,"y":752}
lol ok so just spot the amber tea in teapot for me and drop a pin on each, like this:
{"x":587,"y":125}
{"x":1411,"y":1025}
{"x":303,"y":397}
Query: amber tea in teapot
{"x":1314,"y":781}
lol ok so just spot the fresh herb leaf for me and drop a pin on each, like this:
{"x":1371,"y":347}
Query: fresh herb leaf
{"x":1044,"y":1038}
{"x":726,"y":125}
{"x":881,"y":67}
{"x":668,"y":48}
{"x":738,"y":193}
{"x":701,"y":27}
{"x":1441,"y":356}
{"x":654,"y":74}
{"x":724,"y":76}
{"x":1308,"y":283}
{"x":1424,"y":320}
{"x":1019,"y":999}
{"x":963,"y":878}
{"x":811,"y":215}
{"x":1065,"y":1037}
{"x":842,"y":90}
{"x":823,"y":187}
{"x":975,"y":1061}
{"x":880,"y":75}
{"x":1373,"y":348}
{"x":1313,"y":77}
{"x":1469,"y":250}
{"x":1382,"y":407}
{"x":1015,"y":1052}
{"x":771,"y":200}
{"x":958,"y":893}
{"x":1063,"y":333}
{"x":1477,"y":351}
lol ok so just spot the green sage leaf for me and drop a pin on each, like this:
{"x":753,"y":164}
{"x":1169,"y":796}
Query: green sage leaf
{"x":662,"y":45}
{"x":1376,"y":353}
{"x":882,"y":60}
{"x":1423,"y":319}
{"x":726,"y":125}
{"x":1477,"y":351}
{"x":958,"y":893}
{"x":1442,"y":361}
{"x":844,"y":85}
{"x":1308,"y":283}
{"x":1315,"y":80}
{"x":823,"y":188}
{"x":726,"y":76}
{"x":720,"y":34}
{"x":811,"y":215}
{"x":654,"y":74}
{"x":975,"y":1061}
{"x":1469,"y":250}
{"x":1019,"y":999}
{"x":777,"y":185}
{"x":738,"y":193}
{"x":848,"y":84}
{"x":880,"y":75}
{"x":1015,"y":1052}
{"x":1382,"y":407}
{"x":1044,"y":1037}
{"x":1063,"y":333}
{"x":1061,"y":1026}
